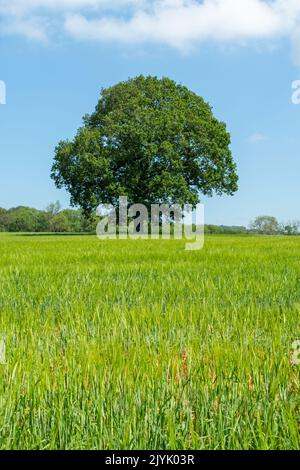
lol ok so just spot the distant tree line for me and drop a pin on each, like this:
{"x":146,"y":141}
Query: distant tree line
{"x":269,"y":225}
{"x":58,"y":220}
{"x":52,"y":219}
{"x":219,"y":229}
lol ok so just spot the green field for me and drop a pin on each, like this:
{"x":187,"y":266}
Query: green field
{"x":142,"y":345}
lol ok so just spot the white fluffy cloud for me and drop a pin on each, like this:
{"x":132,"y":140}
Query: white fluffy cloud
{"x":178,"y":23}
{"x":39,"y":19}
{"x":256,"y":138}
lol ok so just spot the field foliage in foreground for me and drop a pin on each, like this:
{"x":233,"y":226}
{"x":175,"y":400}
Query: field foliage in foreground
{"x":142,"y":345}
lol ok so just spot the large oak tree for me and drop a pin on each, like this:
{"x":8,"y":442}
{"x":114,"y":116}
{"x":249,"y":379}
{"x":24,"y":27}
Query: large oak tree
{"x":151,"y":140}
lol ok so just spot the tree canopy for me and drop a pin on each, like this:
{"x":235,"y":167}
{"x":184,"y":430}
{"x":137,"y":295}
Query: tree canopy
{"x":53,"y":219}
{"x":151,"y":140}
{"x":266,"y":224}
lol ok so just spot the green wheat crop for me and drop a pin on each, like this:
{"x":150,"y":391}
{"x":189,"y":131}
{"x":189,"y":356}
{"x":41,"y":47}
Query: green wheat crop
{"x":143,"y":345}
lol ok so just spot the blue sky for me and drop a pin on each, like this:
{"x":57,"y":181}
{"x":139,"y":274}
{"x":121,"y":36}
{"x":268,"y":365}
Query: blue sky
{"x":55,"y":58}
